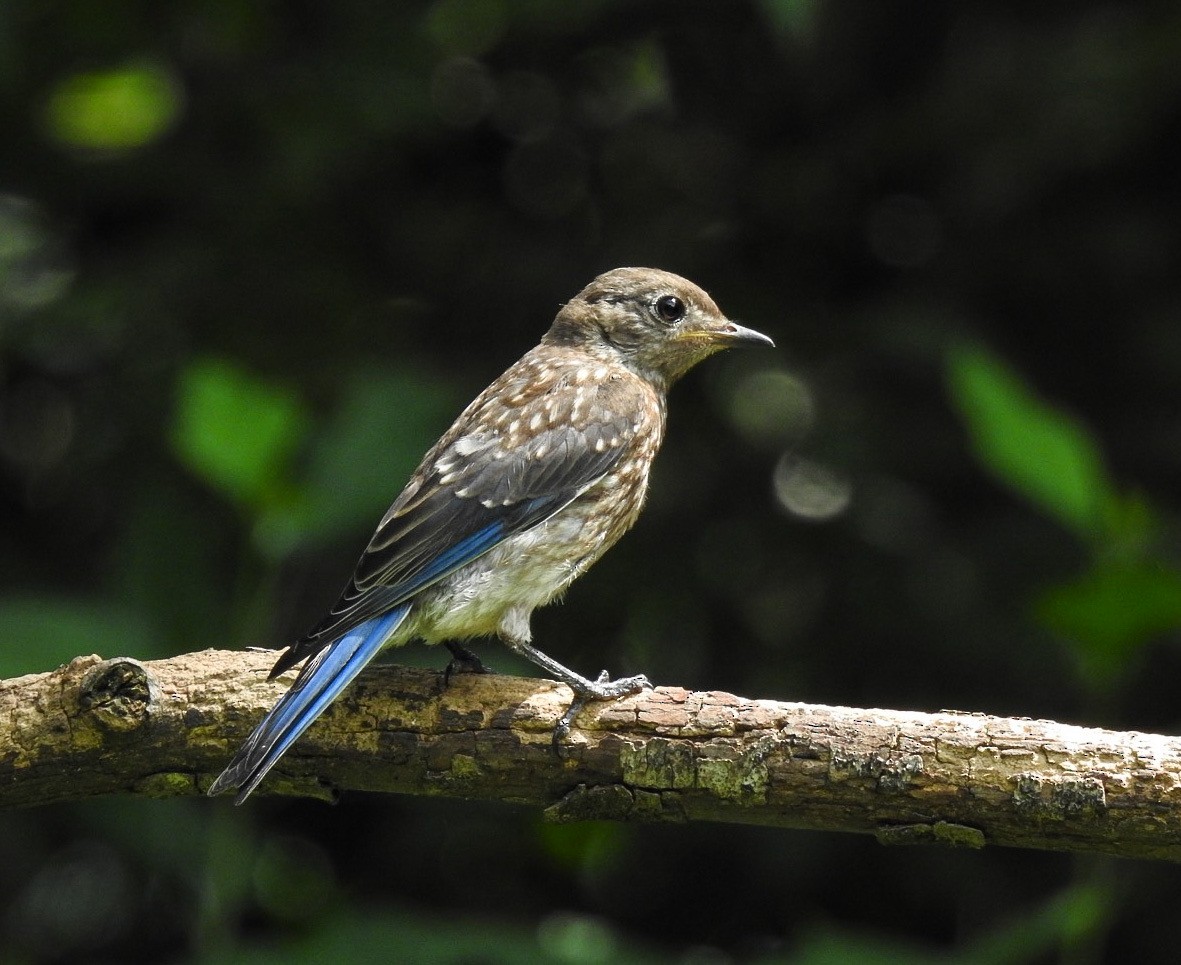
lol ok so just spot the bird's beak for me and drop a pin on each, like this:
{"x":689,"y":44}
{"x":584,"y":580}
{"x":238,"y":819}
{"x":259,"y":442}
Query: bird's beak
{"x":727,"y":333}
{"x":733,"y":332}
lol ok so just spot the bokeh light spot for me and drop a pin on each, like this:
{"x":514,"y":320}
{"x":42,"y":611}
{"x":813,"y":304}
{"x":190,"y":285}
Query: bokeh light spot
{"x":33,"y":268}
{"x":79,"y":898}
{"x":811,"y":490}
{"x":568,"y":937}
{"x":115,"y":110}
{"x":772,"y":406}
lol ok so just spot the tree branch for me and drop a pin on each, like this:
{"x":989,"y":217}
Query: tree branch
{"x":165,"y":727}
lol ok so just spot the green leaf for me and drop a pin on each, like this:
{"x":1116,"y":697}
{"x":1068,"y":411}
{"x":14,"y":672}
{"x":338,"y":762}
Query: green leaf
{"x":1111,"y":611}
{"x":1040,"y":452}
{"x":237,"y":432}
{"x":362,"y":458}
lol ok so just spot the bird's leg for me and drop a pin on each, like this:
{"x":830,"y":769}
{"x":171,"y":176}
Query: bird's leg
{"x":462,"y":661}
{"x":602,"y":688}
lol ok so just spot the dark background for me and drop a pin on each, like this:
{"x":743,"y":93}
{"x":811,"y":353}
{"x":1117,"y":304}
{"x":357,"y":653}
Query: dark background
{"x":254,"y":259}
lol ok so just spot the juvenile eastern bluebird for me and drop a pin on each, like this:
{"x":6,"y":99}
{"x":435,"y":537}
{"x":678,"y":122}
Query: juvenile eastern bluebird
{"x":536,"y":479}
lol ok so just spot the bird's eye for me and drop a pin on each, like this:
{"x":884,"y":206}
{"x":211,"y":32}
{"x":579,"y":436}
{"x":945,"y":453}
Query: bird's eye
{"x":669,"y":308}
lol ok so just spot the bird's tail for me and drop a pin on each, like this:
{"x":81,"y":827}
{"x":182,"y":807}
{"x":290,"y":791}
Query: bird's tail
{"x":318,"y":684}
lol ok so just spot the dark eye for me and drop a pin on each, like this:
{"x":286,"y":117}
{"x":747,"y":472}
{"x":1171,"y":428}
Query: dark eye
{"x":669,"y":308}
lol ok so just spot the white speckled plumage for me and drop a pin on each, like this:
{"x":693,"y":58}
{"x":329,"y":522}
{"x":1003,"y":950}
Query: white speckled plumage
{"x":530,"y":568}
{"x":534,"y":481}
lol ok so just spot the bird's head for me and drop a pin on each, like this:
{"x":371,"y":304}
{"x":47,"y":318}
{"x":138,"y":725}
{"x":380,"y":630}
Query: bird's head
{"x":656,"y":323}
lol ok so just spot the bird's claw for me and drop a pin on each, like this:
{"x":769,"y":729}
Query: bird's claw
{"x":604,"y":688}
{"x":601,"y":688}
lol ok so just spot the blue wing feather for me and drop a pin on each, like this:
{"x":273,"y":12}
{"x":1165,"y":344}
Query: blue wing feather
{"x":335,"y":666}
{"x":319,"y":683}
{"x":462,"y":553}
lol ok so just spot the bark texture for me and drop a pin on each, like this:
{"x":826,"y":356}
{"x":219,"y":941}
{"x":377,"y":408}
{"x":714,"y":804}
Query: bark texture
{"x":166,"y":727}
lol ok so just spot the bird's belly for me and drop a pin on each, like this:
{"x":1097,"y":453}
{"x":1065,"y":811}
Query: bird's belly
{"x":524,"y":572}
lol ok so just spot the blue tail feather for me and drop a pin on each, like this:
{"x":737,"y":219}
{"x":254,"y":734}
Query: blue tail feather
{"x":318,"y":684}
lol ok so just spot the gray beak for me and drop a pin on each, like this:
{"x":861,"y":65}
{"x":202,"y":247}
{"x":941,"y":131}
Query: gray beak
{"x":733,"y":332}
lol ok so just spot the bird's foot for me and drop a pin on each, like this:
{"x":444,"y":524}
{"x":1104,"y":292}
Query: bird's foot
{"x":604,"y":688}
{"x":601,"y":688}
{"x":462,"y":661}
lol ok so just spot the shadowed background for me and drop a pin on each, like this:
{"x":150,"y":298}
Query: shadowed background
{"x":253,"y":260}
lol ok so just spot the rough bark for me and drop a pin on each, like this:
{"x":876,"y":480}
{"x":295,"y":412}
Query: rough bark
{"x":166,"y":727}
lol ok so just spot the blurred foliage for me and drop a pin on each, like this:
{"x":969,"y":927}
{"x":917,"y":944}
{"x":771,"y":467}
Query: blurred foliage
{"x":239,"y":435}
{"x":254,"y":258}
{"x":236,"y":433}
{"x":1065,"y":921}
{"x":116,"y":110}
{"x":1040,"y":452}
{"x":1129,"y":596}
{"x":1110,"y":611}
{"x":51,"y":629}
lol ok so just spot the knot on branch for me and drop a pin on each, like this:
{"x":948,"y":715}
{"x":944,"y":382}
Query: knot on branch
{"x":118,"y":694}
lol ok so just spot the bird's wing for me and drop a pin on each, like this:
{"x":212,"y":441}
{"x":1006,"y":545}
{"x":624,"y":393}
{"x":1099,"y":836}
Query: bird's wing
{"x":472,"y":493}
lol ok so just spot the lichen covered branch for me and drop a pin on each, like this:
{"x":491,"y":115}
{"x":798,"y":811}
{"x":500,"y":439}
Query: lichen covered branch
{"x":165,"y":727}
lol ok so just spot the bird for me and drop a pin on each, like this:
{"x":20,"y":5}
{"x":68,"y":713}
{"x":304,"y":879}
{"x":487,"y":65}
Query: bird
{"x":538,"y":477}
